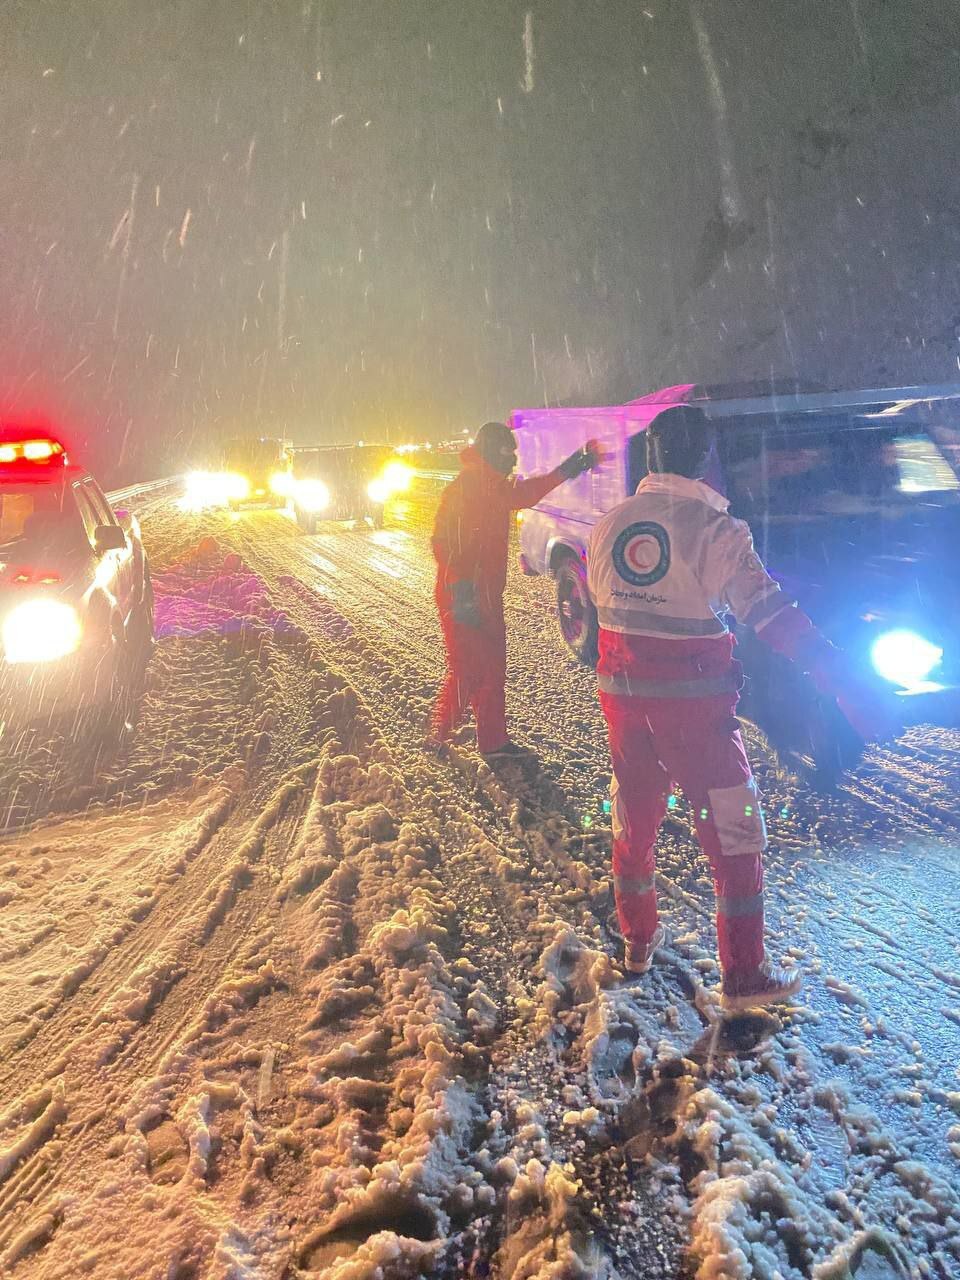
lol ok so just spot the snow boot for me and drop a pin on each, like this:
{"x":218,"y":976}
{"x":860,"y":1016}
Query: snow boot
{"x":638,"y":956}
{"x":767,"y":984}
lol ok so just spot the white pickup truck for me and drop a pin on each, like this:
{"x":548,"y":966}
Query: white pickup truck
{"x":555,"y":533}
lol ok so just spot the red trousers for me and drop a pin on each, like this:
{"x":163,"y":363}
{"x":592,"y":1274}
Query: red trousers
{"x":696,"y":743}
{"x":476,"y":675}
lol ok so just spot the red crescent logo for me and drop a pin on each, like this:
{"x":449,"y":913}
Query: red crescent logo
{"x":643,"y":553}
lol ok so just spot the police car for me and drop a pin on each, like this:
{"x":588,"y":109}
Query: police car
{"x":854,"y":502}
{"x":76,"y":605}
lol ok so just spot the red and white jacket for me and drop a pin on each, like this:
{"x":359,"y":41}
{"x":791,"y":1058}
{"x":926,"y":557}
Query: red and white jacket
{"x":663,"y":568}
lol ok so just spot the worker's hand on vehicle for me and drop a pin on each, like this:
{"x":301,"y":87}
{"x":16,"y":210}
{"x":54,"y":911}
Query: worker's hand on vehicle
{"x":466,"y":610}
{"x":583,"y":460}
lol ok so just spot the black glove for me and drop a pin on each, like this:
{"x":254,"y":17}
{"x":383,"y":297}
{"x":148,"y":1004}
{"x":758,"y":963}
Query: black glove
{"x":870,"y":709}
{"x":466,"y":611}
{"x":583,"y":460}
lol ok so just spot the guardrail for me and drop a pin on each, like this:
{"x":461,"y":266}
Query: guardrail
{"x":438,"y":477}
{"x":117,"y":497}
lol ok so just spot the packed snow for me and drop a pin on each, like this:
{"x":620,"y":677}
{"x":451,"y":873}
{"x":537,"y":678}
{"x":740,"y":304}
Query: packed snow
{"x":284,"y":995}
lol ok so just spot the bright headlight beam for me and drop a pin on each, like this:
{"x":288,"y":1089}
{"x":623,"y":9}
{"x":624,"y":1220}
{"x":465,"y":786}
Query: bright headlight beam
{"x":311,"y":495}
{"x":235,"y":486}
{"x":397,"y":476}
{"x":903,"y":657}
{"x":41,"y":631}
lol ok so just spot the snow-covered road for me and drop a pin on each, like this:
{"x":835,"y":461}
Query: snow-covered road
{"x":282,"y":995}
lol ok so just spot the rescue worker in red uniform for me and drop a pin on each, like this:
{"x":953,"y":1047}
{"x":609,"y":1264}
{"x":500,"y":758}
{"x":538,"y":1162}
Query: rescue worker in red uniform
{"x":663,"y":568}
{"x":470,"y":540}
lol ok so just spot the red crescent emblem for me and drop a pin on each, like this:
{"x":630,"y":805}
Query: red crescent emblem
{"x":643,"y":553}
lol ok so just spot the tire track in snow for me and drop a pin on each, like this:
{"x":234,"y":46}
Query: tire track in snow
{"x":881,"y":808}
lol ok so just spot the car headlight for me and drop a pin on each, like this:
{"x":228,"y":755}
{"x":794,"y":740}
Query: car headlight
{"x":904,"y":657}
{"x":235,"y":486}
{"x":311,"y":495}
{"x":378,"y":490}
{"x":397,"y":476}
{"x":202,"y":489}
{"x":41,"y":631}
{"x":281,"y":483}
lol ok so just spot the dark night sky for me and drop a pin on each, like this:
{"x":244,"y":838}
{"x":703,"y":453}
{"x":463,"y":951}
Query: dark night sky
{"x":346,"y":219}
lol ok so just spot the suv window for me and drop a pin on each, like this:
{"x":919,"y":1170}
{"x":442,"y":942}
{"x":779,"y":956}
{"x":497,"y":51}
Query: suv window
{"x":636,"y":460}
{"x":41,"y":515}
{"x":88,"y":513}
{"x":844,"y":468}
{"x":101,"y":507}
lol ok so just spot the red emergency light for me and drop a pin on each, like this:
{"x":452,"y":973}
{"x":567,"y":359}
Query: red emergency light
{"x":27,"y":451}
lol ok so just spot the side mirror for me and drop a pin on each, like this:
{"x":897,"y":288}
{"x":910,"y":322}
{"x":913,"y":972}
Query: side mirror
{"x":109,"y":537}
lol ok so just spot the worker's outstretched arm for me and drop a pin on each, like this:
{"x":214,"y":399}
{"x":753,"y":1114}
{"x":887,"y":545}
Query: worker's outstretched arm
{"x":527,"y":493}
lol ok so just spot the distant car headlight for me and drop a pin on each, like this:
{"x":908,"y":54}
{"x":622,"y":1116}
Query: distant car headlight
{"x":904,"y":657}
{"x":41,"y":631}
{"x":397,"y":476}
{"x":201,"y":490}
{"x":311,"y":495}
{"x":235,"y":486}
{"x":281,"y":483}
{"x":378,"y":490}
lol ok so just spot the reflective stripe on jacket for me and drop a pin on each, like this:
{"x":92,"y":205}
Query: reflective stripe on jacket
{"x":663,"y":569}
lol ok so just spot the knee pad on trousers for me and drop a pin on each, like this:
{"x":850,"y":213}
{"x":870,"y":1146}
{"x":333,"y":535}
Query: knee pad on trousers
{"x":738,"y":817}
{"x":618,"y":813}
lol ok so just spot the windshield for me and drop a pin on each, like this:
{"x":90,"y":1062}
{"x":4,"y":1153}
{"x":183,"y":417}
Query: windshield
{"x":32,"y":512}
{"x":252,"y":453}
{"x":360,"y":461}
{"x":790,"y":474}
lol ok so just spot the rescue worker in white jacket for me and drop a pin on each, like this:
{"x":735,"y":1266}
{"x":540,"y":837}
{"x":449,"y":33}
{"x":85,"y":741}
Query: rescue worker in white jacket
{"x":663,"y":568}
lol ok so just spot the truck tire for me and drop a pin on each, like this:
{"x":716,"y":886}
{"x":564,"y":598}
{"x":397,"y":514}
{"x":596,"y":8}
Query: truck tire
{"x":306,"y":520}
{"x":575,"y":611}
{"x":140,"y":627}
{"x":110,"y":716}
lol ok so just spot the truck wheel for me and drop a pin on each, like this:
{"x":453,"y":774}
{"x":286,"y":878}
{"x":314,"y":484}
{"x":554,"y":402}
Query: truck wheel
{"x":306,"y":520}
{"x":575,"y":611}
{"x":113,"y":710}
{"x":140,"y":629}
